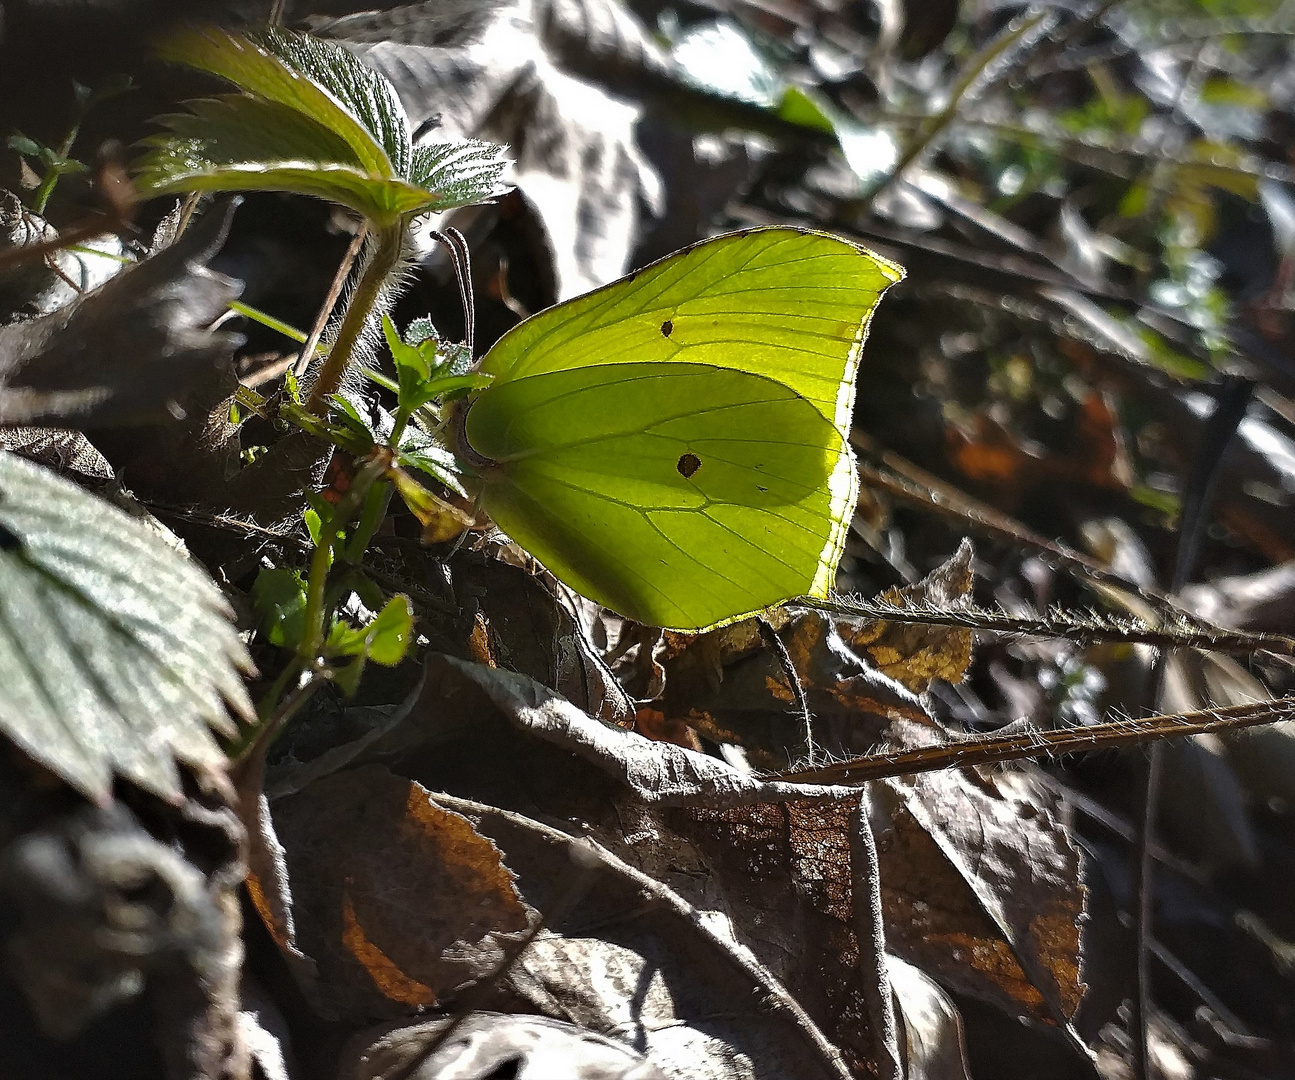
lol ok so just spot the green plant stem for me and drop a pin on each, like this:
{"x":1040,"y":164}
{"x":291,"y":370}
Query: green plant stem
{"x":386,"y":254}
{"x":259,"y":316}
{"x":314,"y":632}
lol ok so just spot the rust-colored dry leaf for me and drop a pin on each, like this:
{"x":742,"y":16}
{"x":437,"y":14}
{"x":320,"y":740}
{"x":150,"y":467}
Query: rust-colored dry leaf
{"x":913,"y":654}
{"x":396,"y":900}
{"x":982,"y":889}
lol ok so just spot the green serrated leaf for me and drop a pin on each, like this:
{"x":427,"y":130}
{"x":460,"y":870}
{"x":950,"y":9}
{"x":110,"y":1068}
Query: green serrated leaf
{"x":459,"y":173}
{"x":420,"y":331}
{"x":348,"y":413}
{"x":279,"y":598}
{"x":178,"y":167}
{"x":254,"y":68}
{"x":421,"y":452}
{"x":390,"y":633}
{"x":367,"y":94}
{"x":117,"y":656}
{"x":312,"y":119}
{"x":406,"y":357}
{"x":237,"y":128}
{"x":384,"y":641}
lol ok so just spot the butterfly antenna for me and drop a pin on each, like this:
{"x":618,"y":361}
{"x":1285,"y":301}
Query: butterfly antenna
{"x":457,"y":246}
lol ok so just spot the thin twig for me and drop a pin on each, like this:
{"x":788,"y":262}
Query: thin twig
{"x":1032,"y":743}
{"x":770,"y":637}
{"x":905,"y":480}
{"x":1081,"y":627}
{"x":330,"y":301}
{"x":979,"y":74}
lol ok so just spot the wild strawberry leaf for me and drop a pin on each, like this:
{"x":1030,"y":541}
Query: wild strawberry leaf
{"x":176,"y":169}
{"x":254,"y":67}
{"x":368,"y":95}
{"x":312,"y":119}
{"x":117,"y":656}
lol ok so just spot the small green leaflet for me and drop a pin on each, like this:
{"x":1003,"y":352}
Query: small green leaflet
{"x":117,"y":654}
{"x":311,"y":118}
{"x":675,"y":445}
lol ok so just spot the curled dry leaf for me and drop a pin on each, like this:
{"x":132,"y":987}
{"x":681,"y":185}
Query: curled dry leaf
{"x":635,"y":961}
{"x":398,"y":902}
{"x":981,"y":886}
{"x":121,"y":353}
{"x":732,"y":689}
{"x":491,"y":1044}
{"x":508,"y":73}
{"x":524,"y":625}
{"x":930,"y":1025}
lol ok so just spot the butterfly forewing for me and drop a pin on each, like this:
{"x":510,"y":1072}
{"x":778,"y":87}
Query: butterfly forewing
{"x":785,"y":303}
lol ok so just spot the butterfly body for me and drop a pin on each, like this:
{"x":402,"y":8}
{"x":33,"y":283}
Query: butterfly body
{"x":674,"y":445}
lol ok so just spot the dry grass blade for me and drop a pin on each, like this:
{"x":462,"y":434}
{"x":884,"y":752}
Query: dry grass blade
{"x":1031,"y":743}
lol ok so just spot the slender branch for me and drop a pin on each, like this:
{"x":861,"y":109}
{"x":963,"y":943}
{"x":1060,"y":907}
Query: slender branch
{"x":1031,"y":743}
{"x":386,"y":254}
{"x":978,"y":75}
{"x":1082,"y":627}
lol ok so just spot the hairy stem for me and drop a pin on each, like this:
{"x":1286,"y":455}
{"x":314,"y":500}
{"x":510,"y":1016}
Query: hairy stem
{"x":315,"y":631}
{"x":386,"y":254}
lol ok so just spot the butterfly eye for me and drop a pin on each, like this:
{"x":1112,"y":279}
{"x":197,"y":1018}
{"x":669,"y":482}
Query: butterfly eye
{"x":688,"y":464}
{"x":667,"y":328}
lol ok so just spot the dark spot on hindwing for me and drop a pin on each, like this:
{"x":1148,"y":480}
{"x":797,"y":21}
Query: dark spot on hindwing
{"x":8,"y":540}
{"x":667,"y":328}
{"x":688,"y":464}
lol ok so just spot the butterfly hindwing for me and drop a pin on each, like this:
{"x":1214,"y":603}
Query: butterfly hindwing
{"x":680,"y":495}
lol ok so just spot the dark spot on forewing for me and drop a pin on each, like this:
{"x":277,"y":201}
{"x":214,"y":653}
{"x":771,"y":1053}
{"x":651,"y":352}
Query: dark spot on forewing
{"x":8,"y":540}
{"x":688,"y":464}
{"x":667,"y":328}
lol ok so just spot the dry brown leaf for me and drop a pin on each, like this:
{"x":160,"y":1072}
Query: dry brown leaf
{"x":633,"y":960}
{"x":915,"y":654}
{"x":982,"y":889}
{"x":526,"y":76}
{"x":398,"y":901}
